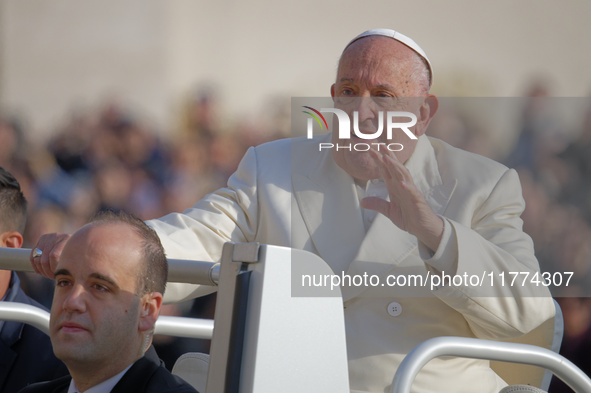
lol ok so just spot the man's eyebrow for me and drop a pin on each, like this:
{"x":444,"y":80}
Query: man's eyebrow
{"x":385,"y":86}
{"x":108,"y":280}
{"x":62,"y":272}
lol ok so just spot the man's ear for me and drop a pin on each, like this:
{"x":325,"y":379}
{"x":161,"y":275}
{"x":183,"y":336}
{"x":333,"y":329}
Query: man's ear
{"x":427,"y":110}
{"x":11,"y":239}
{"x":149,"y":311}
{"x":332,"y":91}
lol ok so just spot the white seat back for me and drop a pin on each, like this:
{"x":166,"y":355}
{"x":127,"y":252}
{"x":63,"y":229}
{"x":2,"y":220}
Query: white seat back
{"x":193,"y":367}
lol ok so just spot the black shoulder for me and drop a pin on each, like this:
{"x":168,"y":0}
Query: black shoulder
{"x":55,"y":386}
{"x":164,"y":382}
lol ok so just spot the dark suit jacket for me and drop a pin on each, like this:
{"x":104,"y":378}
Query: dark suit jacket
{"x":26,"y":355}
{"x":147,"y":375}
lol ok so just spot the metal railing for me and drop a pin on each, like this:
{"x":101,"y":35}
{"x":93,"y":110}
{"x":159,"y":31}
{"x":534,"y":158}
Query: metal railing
{"x":491,"y":350}
{"x":255,"y":314}
{"x":179,"y":270}
{"x":10,"y":311}
{"x":222,"y":367}
{"x":169,"y":326}
{"x":186,"y":271}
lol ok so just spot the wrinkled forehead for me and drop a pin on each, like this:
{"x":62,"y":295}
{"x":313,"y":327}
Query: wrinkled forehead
{"x":396,"y":37}
{"x":375,"y":57}
{"x":376,"y":60}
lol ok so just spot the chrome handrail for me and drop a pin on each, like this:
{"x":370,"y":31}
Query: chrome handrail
{"x":184,"y":327}
{"x":165,"y":325}
{"x":179,"y":270}
{"x":491,"y":350}
{"x":35,"y":316}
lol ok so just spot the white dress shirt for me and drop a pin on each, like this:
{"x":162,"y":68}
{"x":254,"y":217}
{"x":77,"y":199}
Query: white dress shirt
{"x":373,"y":188}
{"x":103,"y":387}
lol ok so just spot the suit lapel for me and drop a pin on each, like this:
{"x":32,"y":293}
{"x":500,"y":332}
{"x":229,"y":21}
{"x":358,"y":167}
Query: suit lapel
{"x":137,"y":377}
{"x":10,"y":334}
{"x":6,"y":361}
{"x":328,"y":203}
{"x":425,"y":171}
{"x":60,"y":385}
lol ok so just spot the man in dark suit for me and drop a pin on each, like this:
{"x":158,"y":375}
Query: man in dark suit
{"x":25,"y":352}
{"x":110,"y":279}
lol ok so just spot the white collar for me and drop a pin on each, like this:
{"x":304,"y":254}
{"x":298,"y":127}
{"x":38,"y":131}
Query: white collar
{"x":103,"y":387}
{"x":423,"y":166}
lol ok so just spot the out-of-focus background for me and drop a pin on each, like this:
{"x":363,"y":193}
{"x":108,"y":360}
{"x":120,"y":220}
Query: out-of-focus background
{"x":148,"y":105}
{"x":59,"y":57}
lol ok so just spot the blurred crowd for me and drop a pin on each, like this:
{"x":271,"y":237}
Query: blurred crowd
{"x":107,"y":158}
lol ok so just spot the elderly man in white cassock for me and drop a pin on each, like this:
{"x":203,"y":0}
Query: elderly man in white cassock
{"x":428,"y":209}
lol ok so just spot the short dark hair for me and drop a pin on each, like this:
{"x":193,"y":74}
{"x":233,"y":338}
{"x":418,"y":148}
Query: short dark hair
{"x":13,"y":205}
{"x":154,"y":272}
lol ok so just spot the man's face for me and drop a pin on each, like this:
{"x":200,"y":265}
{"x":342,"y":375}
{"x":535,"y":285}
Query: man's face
{"x":375,"y":75}
{"x":95,"y":311}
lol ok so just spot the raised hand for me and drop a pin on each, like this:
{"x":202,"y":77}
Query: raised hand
{"x":51,"y":246}
{"x":407,"y":207}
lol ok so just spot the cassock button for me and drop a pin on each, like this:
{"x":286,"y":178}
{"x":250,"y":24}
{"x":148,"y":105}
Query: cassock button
{"x":394,"y":309}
